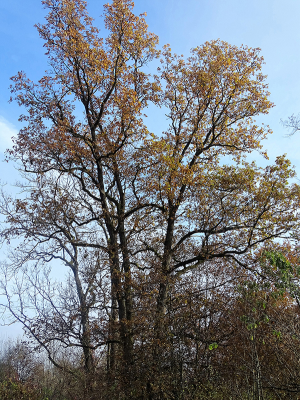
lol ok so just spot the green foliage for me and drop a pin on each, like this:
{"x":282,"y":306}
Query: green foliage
{"x":16,"y":390}
{"x":213,"y":346}
{"x":286,"y":277}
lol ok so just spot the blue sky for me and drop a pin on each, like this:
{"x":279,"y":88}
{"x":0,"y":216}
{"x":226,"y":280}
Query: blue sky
{"x":272,"y":25}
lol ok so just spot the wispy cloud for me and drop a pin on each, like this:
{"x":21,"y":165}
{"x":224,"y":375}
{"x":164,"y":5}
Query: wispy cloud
{"x":7,"y":130}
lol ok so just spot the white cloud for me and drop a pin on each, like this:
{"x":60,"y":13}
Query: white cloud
{"x":7,"y":130}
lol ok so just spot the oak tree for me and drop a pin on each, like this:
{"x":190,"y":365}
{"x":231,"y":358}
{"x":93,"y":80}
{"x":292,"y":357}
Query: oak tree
{"x":131,"y":212}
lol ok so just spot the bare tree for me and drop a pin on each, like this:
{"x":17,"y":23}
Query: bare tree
{"x":292,"y":123}
{"x":58,"y":228}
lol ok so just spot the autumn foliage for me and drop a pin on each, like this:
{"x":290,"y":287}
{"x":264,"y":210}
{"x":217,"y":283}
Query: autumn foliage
{"x":162,"y":233}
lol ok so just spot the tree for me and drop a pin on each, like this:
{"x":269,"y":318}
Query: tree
{"x":130,"y":211}
{"x":292,"y":123}
{"x":266,"y":336}
{"x":53,"y":233}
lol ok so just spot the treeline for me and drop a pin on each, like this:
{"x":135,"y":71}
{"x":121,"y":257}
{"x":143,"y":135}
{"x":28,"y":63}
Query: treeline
{"x":148,"y":265}
{"x":231,"y":339}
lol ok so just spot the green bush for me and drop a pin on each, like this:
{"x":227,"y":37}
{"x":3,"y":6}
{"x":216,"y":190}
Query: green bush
{"x":16,"y":390}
